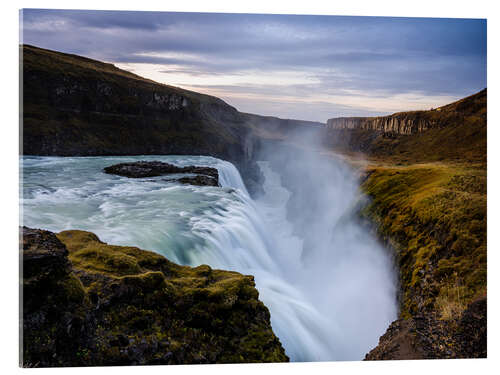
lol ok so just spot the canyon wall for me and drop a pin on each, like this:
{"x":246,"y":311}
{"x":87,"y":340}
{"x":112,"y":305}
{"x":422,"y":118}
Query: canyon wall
{"x":404,"y":123}
{"x":471,"y":109}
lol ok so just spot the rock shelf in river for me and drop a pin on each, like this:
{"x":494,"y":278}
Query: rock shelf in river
{"x":205,"y":176}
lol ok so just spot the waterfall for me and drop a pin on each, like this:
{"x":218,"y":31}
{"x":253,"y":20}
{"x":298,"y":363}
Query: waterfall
{"x":330,"y":297}
{"x":330,"y":301}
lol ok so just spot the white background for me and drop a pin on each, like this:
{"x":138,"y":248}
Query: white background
{"x":9,"y":162}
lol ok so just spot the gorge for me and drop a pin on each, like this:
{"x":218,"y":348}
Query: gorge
{"x":346,"y":227}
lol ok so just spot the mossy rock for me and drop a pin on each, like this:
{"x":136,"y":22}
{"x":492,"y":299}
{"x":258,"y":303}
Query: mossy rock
{"x":119,"y":305}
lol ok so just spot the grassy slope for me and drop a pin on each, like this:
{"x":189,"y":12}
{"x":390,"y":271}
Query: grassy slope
{"x":435,"y":213}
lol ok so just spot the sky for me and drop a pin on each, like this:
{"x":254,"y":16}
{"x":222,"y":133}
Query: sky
{"x":290,"y":66}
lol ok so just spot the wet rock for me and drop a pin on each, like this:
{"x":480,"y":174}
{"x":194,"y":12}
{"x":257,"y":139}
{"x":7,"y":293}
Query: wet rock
{"x":199,"y":181}
{"x":205,"y":175}
{"x":471,"y":334}
{"x":44,"y":256}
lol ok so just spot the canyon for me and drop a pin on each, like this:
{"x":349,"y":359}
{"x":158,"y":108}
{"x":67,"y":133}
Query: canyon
{"x":423,"y":174}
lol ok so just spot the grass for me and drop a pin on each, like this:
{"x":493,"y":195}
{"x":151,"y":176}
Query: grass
{"x":450,"y":303}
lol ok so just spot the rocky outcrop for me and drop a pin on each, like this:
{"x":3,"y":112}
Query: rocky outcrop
{"x":199,"y":181}
{"x":425,"y":337}
{"x":206,"y":175}
{"x":87,"y":303}
{"x":404,"y":123}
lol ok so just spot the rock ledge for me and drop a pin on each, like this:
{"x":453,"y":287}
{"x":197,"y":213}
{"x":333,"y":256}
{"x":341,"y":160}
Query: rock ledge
{"x":205,"y":175}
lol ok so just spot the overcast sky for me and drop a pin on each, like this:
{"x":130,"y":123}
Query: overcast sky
{"x":304,"y":67}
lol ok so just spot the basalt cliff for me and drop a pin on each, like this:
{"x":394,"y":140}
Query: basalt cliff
{"x":416,"y":121}
{"x":454,"y":132}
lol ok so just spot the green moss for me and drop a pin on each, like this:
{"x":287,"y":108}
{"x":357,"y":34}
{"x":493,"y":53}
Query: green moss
{"x":73,"y":289}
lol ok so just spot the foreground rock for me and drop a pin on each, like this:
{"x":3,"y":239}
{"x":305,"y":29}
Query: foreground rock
{"x":425,"y":337}
{"x":86,"y":303}
{"x":206,"y":175}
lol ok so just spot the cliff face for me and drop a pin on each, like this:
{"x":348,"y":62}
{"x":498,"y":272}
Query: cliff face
{"x":399,"y":124}
{"x":417,"y":121}
{"x":425,"y":337}
{"x":86,"y":303}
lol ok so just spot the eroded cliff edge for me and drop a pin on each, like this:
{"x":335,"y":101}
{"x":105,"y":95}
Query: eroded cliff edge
{"x":87,"y":303}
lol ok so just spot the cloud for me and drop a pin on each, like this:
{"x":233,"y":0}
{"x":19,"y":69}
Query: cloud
{"x":369,"y":58}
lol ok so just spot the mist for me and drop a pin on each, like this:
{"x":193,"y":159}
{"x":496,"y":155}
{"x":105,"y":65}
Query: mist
{"x":311,"y":203}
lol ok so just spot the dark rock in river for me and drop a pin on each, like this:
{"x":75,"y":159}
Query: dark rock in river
{"x":206,"y":175}
{"x":199,"y":181}
{"x":86,"y":303}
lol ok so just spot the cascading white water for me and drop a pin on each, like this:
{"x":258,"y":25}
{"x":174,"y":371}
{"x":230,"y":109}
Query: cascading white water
{"x":328,"y":304}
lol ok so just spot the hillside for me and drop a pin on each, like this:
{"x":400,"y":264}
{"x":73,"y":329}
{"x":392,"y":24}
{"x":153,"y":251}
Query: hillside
{"x":433,"y":216}
{"x":87,"y":303}
{"x":77,"y":106}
